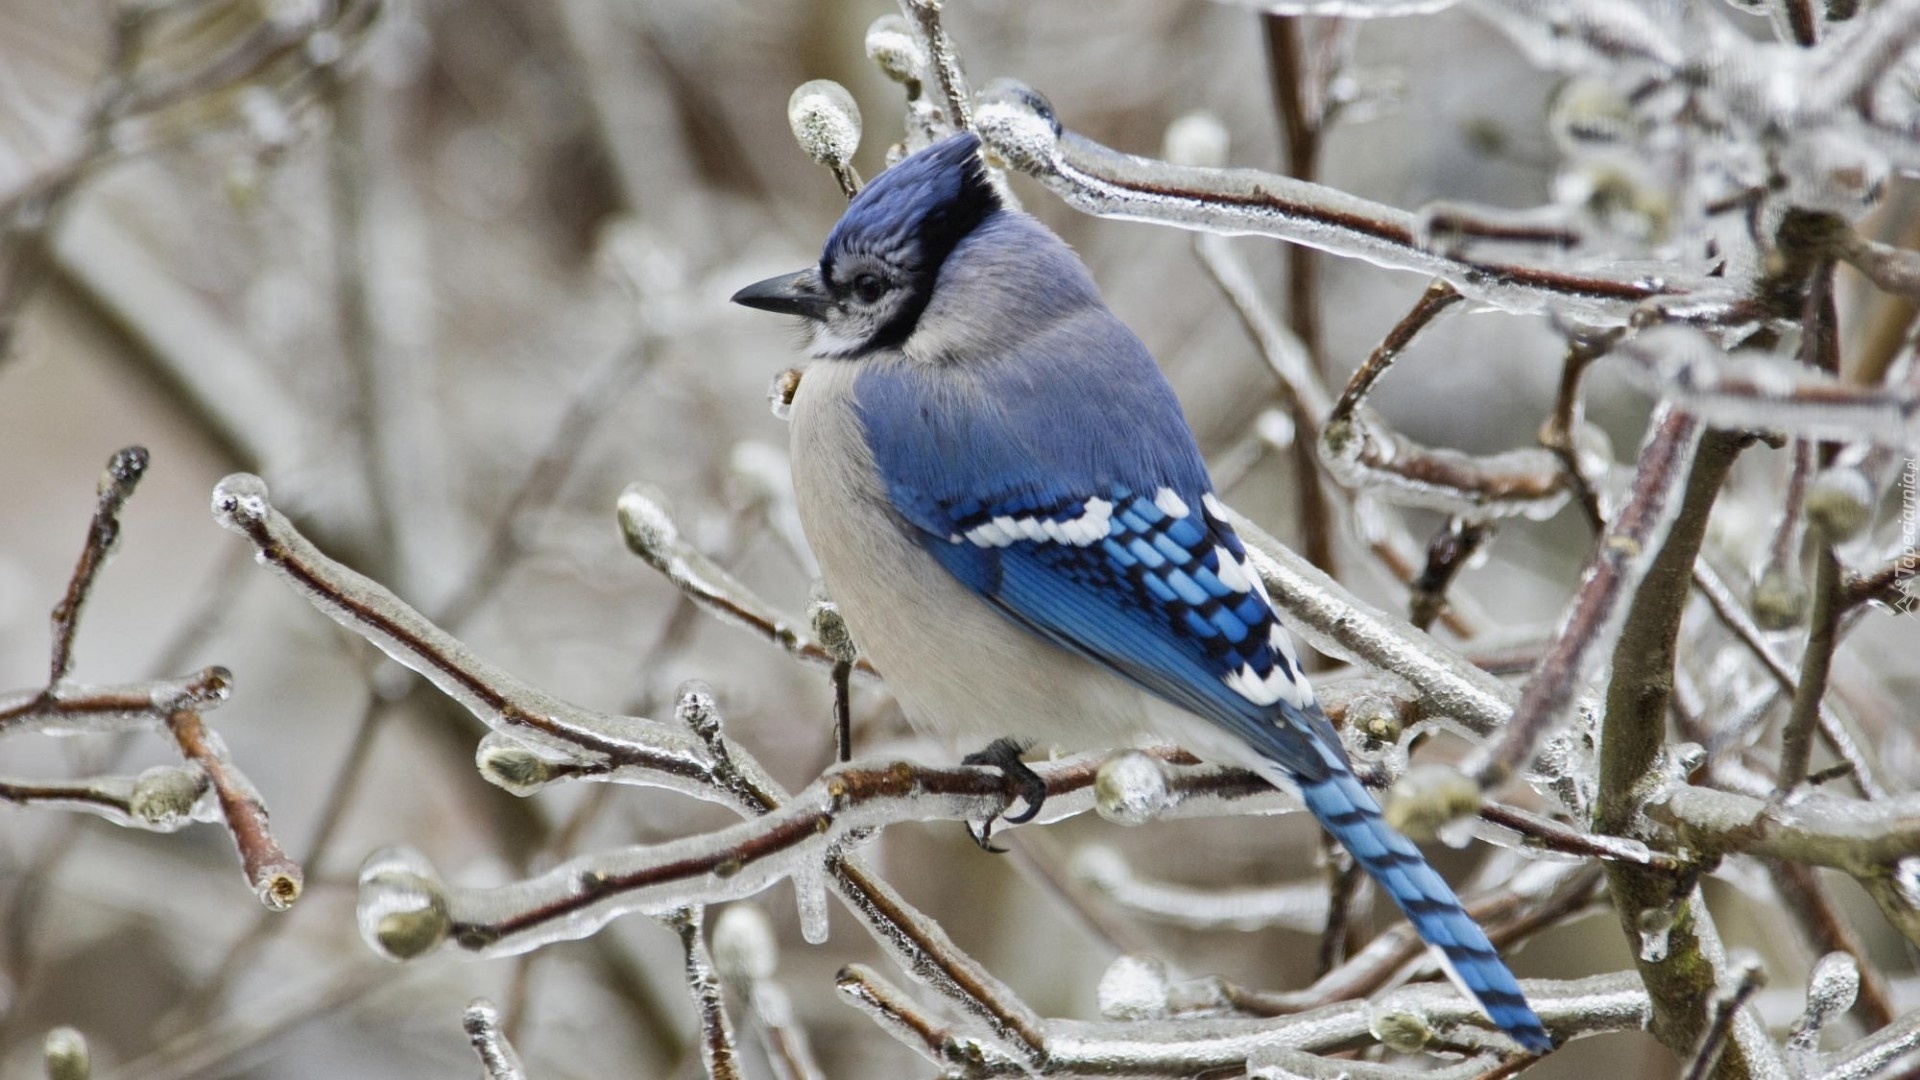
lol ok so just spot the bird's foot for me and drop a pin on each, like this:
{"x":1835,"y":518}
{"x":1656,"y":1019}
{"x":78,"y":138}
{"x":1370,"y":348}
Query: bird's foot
{"x":1004,"y":754}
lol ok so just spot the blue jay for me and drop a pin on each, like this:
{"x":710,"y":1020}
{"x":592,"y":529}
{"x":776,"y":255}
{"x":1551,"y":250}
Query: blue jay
{"x":1009,"y":508}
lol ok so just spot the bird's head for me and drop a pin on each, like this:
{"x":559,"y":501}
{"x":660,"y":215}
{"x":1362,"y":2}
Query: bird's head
{"x":881,"y":261}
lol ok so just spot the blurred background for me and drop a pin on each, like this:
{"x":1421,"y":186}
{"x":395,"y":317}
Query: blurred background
{"x":400,"y":267}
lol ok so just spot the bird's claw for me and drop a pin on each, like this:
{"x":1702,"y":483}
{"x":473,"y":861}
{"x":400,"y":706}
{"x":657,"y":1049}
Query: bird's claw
{"x":1004,"y":754}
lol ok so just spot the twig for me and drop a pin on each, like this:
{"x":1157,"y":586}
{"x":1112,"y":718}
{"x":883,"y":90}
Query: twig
{"x":122,"y":475}
{"x":1453,"y":546}
{"x":1721,"y":600}
{"x":1438,"y":297}
{"x":1558,"y":434}
{"x":1613,"y":579}
{"x":1344,"y":877}
{"x":651,"y":534}
{"x":1303,"y":394}
{"x":275,"y":878}
{"x":1289,"y":77}
{"x":1812,"y":904}
{"x":1021,"y":127}
{"x":1336,"y":622}
{"x":1796,"y":739}
{"x":1864,"y":839}
{"x":1749,"y":389}
{"x":496,"y":1052}
{"x":1725,"y":1008}
{"x":717,"y":1049}
{"x":924,"y":16}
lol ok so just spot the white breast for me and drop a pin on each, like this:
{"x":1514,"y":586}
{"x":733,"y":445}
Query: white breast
{"x":960,"y":668}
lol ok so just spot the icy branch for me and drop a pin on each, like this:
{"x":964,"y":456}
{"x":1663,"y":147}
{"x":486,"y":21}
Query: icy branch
{"x":497,"y":1057}
{"x":1593,"y":621}
{"x":1758,"y":391}
{"x":1020,"y":126}
{"x":162,"y":798}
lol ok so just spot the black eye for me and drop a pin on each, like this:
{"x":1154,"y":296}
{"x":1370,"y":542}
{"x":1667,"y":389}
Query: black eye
{"x":868,"y":288}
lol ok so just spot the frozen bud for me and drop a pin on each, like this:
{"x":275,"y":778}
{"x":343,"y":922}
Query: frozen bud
{"x":1840,"y":503}
{"x":829,"y":628}
{"x":240,"y":500}
{"x":1019,"y":124}
{"x":1589,"y":112}
{"x":164,"y":796}
{"x":1428,"y":797}
{"x":1779,"y":601}
{"x":694,"y":707}
{"x":1134,"y":988}
{"x":825,"y":121}
{"x":1400,"y":1029}
{"x":1130,"y":789}
{"x":1376,"y":718}
{"x":894,"y":50}
{"x":66,"y":1055}
{"x":1199,"y":139}
{"x":646,"y":524}
{"x":1832,"y":988}
{"x":780,"y":394}
{"x":402,"y":910}
{"x":744,"y":947}
{"x":510,"y":766}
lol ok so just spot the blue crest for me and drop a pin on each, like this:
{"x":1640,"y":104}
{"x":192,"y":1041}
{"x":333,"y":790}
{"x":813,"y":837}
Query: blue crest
{"x":913,"y":214}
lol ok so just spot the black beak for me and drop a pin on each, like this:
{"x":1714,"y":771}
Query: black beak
{"x":798,"y":293}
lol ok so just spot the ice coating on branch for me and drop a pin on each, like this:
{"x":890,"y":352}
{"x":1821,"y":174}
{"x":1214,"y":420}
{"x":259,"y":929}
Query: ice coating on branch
{"x":488,"y":1038}
{"x":1831,"y":990}
{"x":647,"y":751}
{"x":1751,"y":389}
{"x":810,"y":895}
{"x":1020,"y":126}
{"x":1363,"y":454}
{"x":1134,"y":988}
{"x":1130,"y":788}
{"x":825,"y":122}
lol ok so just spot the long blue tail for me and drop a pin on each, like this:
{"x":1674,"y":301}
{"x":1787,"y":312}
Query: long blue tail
{"x":1351,"y":815}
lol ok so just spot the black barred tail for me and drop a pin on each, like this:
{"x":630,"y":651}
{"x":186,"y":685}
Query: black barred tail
{"x":1351,"y":815}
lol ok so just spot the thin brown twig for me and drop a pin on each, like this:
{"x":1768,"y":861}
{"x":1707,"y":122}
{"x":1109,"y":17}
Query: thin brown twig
{"x":122,"y":475}
{"x":1796,"y":739}
{"x":718,"y":1049}
{"x":275,"y":878}
{"x":1453,"y":546}
{"x":1808,"y":900}
{"x":1438,"y":297}
{"x":1558,"y":433}
{"x":1615,"y":570}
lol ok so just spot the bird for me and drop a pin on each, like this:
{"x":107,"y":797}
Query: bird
{"x":1010,"y":510}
